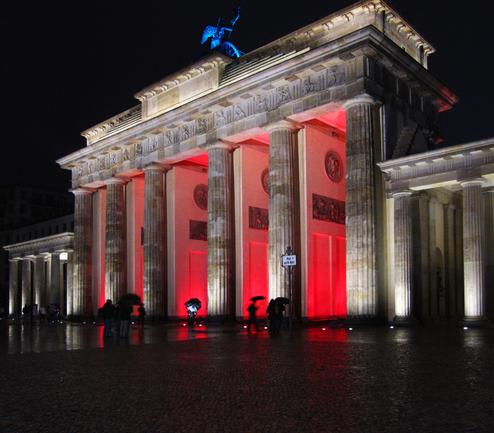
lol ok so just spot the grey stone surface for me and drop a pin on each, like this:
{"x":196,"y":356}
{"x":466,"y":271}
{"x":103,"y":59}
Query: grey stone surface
{"x":115,"y":273}
{"x":362,"y":120}
{"x":473,"y":254}
{"x":282,"y":202}
{"x":154,"y":241}
{"x":220,"y":232}
{"x":81,"y":302}
{"x":403,"y":255}
{"x":368,"y":380}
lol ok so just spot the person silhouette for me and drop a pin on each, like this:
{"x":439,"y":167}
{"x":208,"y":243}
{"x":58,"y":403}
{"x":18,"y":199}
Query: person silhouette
{"x":252,"y":309}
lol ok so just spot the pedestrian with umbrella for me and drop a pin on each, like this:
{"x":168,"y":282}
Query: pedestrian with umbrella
{"x":252,"y":309}
{"x":125,"y":308}
{"x":193,"y":305}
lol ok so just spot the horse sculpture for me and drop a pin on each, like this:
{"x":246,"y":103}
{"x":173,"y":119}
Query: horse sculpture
{"x":218,"y":33}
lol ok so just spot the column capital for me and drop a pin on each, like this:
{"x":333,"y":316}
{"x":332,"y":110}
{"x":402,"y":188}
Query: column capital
{"x":156,"y":166}
{"x":284,"y":124}
{"x":402,"y":193}
{"x":82,"y":191}
{"x":472,"y":182}
{"x":15,"y":259}
{"x":488,"y":190}
{"x":363,"y":99}
{"x":220,"y":144}
{"x":116,"y":181}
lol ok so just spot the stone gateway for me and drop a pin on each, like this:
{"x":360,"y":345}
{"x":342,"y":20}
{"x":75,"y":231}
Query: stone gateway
{"x":325,"y":140}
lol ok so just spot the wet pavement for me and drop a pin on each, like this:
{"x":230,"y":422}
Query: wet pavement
{"x":66,"y":378}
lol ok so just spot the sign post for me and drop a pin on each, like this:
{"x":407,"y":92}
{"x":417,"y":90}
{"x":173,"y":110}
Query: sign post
{"x":288,"y":261}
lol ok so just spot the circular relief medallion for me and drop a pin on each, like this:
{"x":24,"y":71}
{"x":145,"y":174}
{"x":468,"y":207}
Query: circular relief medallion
{"x":334,"y":166}
{"x":201,"y":196}
{"x":265,"y":180}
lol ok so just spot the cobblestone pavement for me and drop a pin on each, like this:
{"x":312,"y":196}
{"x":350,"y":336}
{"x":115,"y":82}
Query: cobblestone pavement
{"x":171,"y":380}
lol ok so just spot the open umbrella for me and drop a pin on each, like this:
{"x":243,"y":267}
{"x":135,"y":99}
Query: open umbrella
{"x":282,"y":301}
{"x":130,"y":299}
{"x":193,"y":301}
{"x":258,"y":298}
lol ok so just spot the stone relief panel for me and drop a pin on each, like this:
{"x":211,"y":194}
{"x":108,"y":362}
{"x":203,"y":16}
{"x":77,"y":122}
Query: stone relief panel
{"x":198,"y":230}
{"x":265,"y":180}
{"x":328,"y":209}
{"x":201,"y":196}
{"x":333,"y":166}
{"x":258,"y":218}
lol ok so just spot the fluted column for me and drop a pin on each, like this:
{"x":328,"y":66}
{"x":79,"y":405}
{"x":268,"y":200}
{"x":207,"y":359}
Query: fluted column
{"x":154,"y":240}
{"x":26,"y":282}
{"x":14,"y":304}
{"x":83,"y":243}
{"x":54,"y":291}
{"x":473,"y":257}
{"x":39,"y":281}
{"x":403,"y":256}
{"x":362,"y":132}
{"x":282,"y":202}
{"x":115,"y":282}
{"x":220,"y":233}
{"x":69,"y":301}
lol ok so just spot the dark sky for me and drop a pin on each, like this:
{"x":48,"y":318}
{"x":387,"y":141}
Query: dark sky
{"x":66,"y":66}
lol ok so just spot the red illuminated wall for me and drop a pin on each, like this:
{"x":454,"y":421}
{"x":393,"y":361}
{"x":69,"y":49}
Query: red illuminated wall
{"x":252,"y":244}
{"x":187,"y":258}
{"x":325,"y":240}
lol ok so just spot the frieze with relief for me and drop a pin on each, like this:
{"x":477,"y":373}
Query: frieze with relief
{"x":201,"y":196}
{"x":328,"y":209}
{"x":270,"y":98}
{"x":258,"y":218}
{"x":334,"y":166}
{"x":265,"y":180}
{"x":198,"y":230}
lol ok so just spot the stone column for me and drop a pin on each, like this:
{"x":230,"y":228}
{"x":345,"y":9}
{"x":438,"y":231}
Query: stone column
{"x":14,"y":304}
{"x":282,"y":202}
{"x":54,"y":292}
{"x":220,"y":233}
{"x":26,"y":282}
{"x":154,"y":240}
{"x":362,"y":122}
{"x":115,"y":258}
{"x":403,"y":256}
{"x":39,"y":281}
{"x":488,"y":251}
{"x":449,"y":230}
{"x":69,"y":301}
{"x":473,"y":257}
{"x":83,"y":243}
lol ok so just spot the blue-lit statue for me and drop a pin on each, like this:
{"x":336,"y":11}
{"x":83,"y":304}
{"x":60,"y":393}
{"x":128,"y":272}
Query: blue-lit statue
{"x":218,"y":33}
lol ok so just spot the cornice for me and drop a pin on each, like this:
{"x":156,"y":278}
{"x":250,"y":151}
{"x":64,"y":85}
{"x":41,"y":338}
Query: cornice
{"x":42,"y":245}
{"x":207,"y":64}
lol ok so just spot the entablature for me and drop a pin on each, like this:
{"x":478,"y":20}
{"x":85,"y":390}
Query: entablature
{"x":324,"y":77}
{"x":447,"y":167}
{"x":217,"y":70}
{"x":49,"y":244}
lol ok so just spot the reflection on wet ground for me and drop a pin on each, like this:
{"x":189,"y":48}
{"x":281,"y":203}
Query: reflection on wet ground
{"x":169,"y":378}
{"x":18,"y":337}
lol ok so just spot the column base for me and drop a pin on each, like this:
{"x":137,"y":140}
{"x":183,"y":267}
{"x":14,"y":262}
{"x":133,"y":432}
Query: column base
{"x":404,"y":321}
{"x":476,"y":322}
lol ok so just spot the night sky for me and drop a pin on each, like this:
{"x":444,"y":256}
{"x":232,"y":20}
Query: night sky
{"x":66,"y":66}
